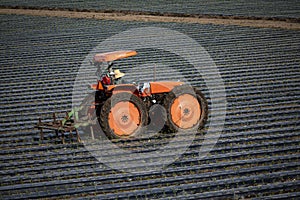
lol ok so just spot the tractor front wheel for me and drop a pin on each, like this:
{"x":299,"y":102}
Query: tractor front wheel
{"x":123,"y":115}
{"x":186,"y":108}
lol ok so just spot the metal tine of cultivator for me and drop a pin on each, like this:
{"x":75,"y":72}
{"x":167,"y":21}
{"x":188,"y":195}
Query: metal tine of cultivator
{"x":54,"y":118}
{"x":91,"y":126}
{"x":41,"y":130}
{"x":78,"y":136}
{"x":54,"y":121}
{"x":62,"y":137}
{"x":71,"y":135}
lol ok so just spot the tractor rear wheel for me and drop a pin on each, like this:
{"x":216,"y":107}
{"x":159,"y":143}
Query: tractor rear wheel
{"x":186,"y":109}
{"x":87,"y":105}
{"x":123,"y":115}
{"x":87,"y":114}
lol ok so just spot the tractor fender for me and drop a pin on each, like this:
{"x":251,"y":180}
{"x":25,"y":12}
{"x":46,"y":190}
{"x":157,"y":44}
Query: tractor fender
{"x":130,"y":88}
{"x":97,"y":86}
{"x":94,"y":86}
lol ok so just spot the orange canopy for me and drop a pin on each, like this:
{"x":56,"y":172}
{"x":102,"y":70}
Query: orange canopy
{"x":115,"y":55}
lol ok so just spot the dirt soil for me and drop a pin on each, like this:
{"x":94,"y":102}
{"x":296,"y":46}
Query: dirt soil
{"x":291,"y":24}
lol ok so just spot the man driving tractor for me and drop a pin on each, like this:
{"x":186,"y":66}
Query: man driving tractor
{"x":117,"y":76}
{"x":112,"y":78}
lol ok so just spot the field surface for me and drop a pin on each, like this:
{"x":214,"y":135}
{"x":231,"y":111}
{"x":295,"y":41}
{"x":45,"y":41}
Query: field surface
{"x":256,"y":156}
{"x":277,"y":8}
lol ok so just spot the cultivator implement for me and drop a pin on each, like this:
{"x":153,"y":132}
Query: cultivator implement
{"x":67,"y":126}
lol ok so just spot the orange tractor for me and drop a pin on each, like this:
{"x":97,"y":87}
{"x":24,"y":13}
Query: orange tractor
{"x":126,"y":110}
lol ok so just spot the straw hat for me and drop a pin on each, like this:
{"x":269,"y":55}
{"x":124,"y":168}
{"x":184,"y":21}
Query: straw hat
{"x":118,"y":74}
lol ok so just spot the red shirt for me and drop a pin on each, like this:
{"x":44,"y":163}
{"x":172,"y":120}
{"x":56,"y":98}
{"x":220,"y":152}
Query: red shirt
{"x":106,"y":80}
